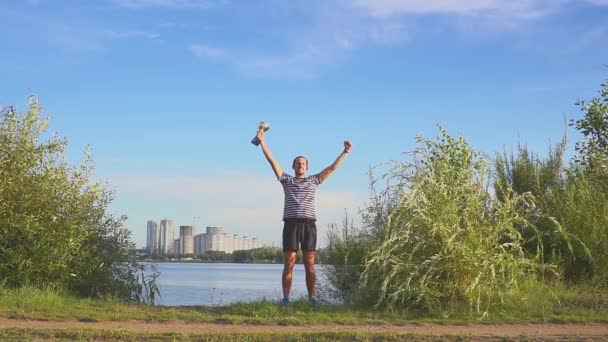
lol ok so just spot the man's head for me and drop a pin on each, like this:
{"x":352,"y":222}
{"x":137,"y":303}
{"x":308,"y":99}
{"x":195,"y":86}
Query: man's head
{"x":300,"y":165}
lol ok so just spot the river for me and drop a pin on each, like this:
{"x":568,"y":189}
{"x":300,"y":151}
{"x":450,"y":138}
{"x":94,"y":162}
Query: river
{"x":224,"y":283}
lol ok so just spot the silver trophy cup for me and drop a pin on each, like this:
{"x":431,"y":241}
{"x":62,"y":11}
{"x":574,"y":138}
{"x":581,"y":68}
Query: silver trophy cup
{"x":263,"y":127}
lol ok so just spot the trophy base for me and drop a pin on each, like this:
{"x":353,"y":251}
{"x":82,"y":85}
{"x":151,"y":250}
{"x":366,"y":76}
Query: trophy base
{"x":256,"y":141}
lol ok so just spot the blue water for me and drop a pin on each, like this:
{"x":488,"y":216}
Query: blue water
{"x":222,"y":284}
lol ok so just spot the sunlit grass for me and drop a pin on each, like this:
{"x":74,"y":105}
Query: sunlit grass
{"x":557,"y":304}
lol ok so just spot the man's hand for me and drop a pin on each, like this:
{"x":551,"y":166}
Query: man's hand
{"x":260,"y":135}
{"x":347,"y":146}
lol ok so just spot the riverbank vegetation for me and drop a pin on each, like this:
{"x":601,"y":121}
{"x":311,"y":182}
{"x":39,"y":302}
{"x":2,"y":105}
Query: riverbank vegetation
{"x":454,"y":231}
{"x":448,"y":234}
{"x":261,"y":255}
{"x":55,"y":228}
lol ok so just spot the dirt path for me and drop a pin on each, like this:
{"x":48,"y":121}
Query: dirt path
{"x":542,"y":331}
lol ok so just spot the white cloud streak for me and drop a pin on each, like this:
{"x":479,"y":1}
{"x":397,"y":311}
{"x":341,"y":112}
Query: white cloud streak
{"x":336,"y":30}
{"x":129,"y":34}
{"x":382,"y":8}
{"x":208,"y":52}
{"x":176,"y":4}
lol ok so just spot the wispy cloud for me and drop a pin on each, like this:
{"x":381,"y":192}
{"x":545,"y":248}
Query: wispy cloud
{"x":382,"y":8}
{"x":593,"y":37}
{"x":177,"y":4}
{"x":331,"y":35}
{"x":201,"y":50}
{"x":113,"y":34}
{"x":522,"y":9}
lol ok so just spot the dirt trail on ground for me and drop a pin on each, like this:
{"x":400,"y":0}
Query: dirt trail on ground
{"x":592,"y":330}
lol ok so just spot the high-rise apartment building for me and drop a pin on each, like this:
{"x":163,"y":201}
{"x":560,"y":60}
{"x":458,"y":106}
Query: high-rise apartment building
{"x":167,"y":237}
{"x":200,"y":242}
{"x":176,"y":245}
{"x":152,"y":241}
{"x":216,"y":235}
{"x":186,"y":240}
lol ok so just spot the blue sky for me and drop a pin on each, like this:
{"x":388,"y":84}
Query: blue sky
{"x":169,"y":93}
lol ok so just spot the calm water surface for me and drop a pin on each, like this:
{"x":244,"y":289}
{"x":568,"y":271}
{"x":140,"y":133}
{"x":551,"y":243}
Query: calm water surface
{"x":222,"y":284}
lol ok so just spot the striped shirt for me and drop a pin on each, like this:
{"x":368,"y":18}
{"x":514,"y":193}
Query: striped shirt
{"x":299,"y":196}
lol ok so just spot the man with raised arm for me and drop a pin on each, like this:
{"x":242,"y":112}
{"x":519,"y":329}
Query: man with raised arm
{"x":299,"y":215}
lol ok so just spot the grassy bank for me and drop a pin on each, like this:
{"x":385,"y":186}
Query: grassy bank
{"x":562,"y":305}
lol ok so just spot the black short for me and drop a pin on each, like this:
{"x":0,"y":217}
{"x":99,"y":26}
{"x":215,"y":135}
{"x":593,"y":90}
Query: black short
{"x":298,"y":232}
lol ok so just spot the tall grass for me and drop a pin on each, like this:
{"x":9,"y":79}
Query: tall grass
{"x":571,"y":215}
{"x":345,"y":259}
{"x":447,"y":242}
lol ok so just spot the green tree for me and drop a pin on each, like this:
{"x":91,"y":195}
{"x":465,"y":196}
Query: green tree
{"x":54,"y":227}
{"x":592,"y":150}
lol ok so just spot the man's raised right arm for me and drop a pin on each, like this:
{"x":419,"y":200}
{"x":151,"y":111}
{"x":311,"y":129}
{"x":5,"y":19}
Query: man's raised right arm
{"x":273,"y":163}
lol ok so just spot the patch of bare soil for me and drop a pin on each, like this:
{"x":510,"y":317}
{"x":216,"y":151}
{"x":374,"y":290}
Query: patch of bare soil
{"x":552,"y":331}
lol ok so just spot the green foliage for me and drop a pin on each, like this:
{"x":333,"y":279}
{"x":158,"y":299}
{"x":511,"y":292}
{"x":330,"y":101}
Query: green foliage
{"x":344,"y":262}
{"x":571,"y":214}
{"x":593,"y":149}
{"x":546,"y":181}
{"x":54,"y":227}
{"x":582,"y":209}
{"x":446,"y":242}
{"x":258,"y":255}
{"x":585,"y":208}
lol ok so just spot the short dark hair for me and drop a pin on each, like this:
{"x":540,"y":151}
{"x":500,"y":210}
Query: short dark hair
{"x":293,"y":164}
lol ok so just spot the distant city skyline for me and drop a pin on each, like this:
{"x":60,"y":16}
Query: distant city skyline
{"x":213,"y":239}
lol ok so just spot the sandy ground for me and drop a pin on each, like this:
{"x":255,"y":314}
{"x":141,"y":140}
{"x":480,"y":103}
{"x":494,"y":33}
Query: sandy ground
{"x":595,"y":331}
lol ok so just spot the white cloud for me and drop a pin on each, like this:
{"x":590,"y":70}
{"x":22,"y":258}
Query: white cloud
{"x":299,"y":64}
{"x":112,"y":34}
{"x":382,"y":8}
{"x":178,"y":4}
{"x":334,"y":31}
{"x":208,"y":52}
{"x":332,"y":34}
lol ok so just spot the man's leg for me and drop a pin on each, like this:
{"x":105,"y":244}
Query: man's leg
{"x":289,"y":261}
{"x":309,"y":267}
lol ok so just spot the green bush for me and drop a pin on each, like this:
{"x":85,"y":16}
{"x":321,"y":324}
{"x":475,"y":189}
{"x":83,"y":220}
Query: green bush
{"x":546,"y":180}
{"x":343,"y":263}
{"x":446,"y":242}
{"x":585,"y":209}
{"x":54,"y":227}
{"x":571,"y":216}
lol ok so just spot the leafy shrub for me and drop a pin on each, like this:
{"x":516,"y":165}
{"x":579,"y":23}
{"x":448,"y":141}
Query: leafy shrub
{"x":54,"y":227}
{"x":446,"y":241}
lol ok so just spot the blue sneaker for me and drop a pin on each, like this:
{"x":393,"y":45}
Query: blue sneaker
{"x":284,"y":301}
{"x":314,"y":302}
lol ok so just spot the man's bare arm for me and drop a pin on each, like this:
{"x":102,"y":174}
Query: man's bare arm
{"x":278,"y":171}
{"x":334,"y":166}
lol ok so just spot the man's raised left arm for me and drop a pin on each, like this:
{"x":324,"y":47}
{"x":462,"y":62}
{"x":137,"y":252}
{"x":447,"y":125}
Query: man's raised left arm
{"x":334,"y":166}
